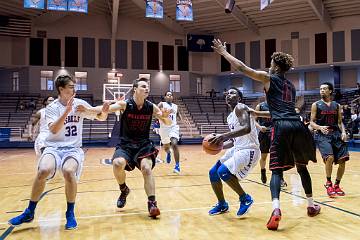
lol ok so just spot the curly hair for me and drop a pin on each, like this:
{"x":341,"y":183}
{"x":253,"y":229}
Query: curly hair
{"x":283,"y":60}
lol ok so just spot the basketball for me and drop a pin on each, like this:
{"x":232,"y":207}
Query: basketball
{"x":211,"y":149}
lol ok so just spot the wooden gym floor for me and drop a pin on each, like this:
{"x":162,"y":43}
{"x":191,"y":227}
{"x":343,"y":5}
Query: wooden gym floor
{"x":184,"y":201}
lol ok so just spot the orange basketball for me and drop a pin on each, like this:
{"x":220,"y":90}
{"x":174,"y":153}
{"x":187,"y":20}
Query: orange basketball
{"x":211,"y":149}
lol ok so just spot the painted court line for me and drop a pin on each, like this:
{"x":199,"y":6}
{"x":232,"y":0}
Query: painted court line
{"x":165,"y":211}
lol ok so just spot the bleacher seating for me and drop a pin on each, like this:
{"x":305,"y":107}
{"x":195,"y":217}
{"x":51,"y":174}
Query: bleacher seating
{"x":210,"y":114}
{"x":204,"y":114}
{"x":11,"y":116}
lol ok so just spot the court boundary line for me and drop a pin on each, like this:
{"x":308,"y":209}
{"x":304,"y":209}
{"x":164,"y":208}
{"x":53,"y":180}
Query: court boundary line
{"x":167,"y":210}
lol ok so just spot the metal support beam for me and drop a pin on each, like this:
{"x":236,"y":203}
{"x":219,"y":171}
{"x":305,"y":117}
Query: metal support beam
{"x":321,"y":12}
{"x":115,"y":14}
{"x":114,"y":26}
{"x":240,"y":17}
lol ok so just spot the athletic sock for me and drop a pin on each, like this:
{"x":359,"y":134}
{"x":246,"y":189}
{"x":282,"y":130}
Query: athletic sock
{"x":276,"y":203}
{"x":310,"y":202}
{"x":32,"y":206}
{"x":70,"y":206}
{"x":122,"y":186}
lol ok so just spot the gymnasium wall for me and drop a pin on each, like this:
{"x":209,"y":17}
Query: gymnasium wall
{"x":133,"y":37}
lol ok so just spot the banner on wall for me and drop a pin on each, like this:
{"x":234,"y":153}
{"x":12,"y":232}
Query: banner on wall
{"x":78,"y":6}
{"x":265,"y":3}
{"x":154,"y":9}
{"x":38,"y":4}
{"x":57,"y":5}
{"x":184,"y":10}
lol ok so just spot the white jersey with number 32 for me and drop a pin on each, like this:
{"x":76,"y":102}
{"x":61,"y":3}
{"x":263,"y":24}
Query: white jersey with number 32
{"x":70,"y":135}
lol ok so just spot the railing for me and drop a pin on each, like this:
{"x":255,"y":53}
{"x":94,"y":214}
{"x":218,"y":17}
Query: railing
{"x":185,"y":119}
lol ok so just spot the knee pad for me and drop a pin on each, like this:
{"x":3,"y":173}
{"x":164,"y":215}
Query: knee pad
{"x":224,"y":173}
{"x":213,"y":173}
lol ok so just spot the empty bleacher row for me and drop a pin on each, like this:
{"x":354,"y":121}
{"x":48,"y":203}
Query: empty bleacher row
{"x":210,"y":114}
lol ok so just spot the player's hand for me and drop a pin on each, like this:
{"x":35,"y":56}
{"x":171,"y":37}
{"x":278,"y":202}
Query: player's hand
{"x":263,"y":129}
{"x":69,"y":104}
{"x":324,"y":129}
{"x":217,"y":139}
{"x":165,"y":112}
{"x":105,"y":107}
{"x":81,"y":108}
{"x":120,"y":98}
{"x":219,"y":47}
{"x":343,"y":136}
{"x":250,"y":110}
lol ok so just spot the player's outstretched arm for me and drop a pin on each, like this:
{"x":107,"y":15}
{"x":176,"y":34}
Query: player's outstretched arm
{"x":162,"y":115}
{"x":262,"y":114}
{"x":102,"y":111}
{"x":258,"y":126}
{"x":260,"y":76}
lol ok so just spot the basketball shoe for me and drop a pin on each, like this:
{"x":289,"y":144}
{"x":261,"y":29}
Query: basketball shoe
{"x":219,"y":208}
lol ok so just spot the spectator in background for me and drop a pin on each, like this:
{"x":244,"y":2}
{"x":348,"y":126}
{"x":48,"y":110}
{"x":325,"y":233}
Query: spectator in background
{"x":338,"y":96}
{"x":355,"y":122}
{"x":358,"y":88}
{"x":22,"y":105}
{"x":224,"y":93}
{"x":346,"y":115}
{"x":297,"y":110}
{"x":32,"y":104}
{"x":212,"y":93}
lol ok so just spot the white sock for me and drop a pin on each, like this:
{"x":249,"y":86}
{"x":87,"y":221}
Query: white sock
{"x":276,"y":203}
{"x":310,"y":202}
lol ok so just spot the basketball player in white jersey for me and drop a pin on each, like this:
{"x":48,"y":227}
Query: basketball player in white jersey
{"x":170,"y":134}
{"x":40,"y":121}
{"x":241,"y":157}
{"x":62,"y":151}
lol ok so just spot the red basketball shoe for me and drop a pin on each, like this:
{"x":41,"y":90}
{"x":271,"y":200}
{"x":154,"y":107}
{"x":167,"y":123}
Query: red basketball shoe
{"x":330,"y":189}
{"x":313,"y":211}
{"x":274,"y":220}
{"x":338,"y":190}
{"x":153,"y":209}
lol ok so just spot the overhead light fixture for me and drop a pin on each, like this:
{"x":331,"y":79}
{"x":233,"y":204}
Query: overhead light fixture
{"x":229,"y":6}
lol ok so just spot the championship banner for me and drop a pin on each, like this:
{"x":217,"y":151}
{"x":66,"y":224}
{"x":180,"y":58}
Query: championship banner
{"x":38,"y":4}
{"x":78,"y":6}
{"x":58,"y":5}
{"x":184,"y":10}
{"x":265,"y":3}
{"x":154,"y":9}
